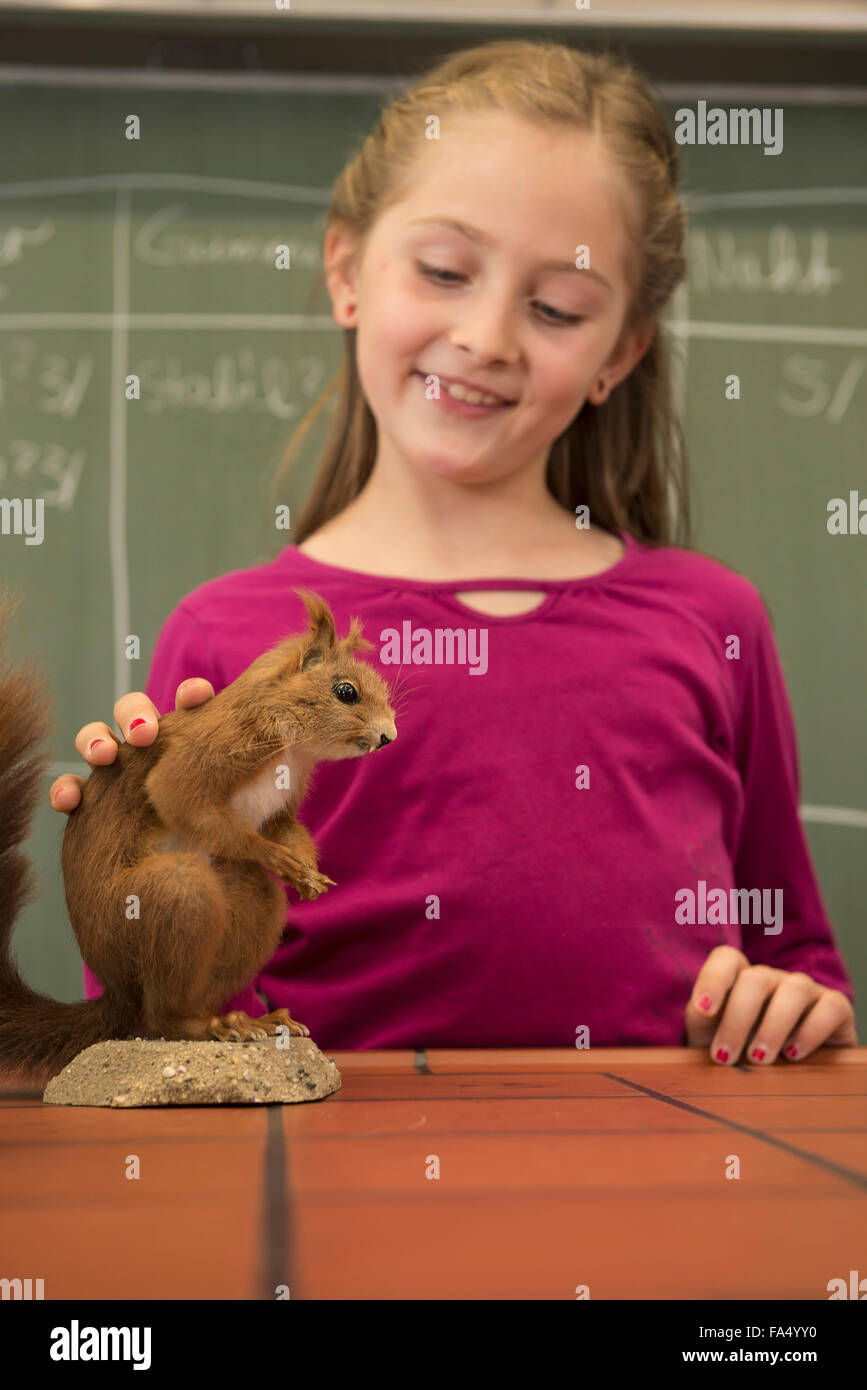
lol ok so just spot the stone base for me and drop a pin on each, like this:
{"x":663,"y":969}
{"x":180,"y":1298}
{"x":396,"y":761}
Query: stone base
{"x":147,"y":1071}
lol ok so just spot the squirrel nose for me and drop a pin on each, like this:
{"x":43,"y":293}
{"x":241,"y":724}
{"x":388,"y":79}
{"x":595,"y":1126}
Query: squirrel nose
{"x":383,"y":741}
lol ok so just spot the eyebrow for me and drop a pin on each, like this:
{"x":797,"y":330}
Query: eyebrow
{"x":473,"y":234}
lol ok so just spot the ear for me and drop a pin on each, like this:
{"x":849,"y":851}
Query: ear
{"x":339,"y":259}
{"x":320,"y":641}
{"x":629,"y":351}
{"x":354,"y":642}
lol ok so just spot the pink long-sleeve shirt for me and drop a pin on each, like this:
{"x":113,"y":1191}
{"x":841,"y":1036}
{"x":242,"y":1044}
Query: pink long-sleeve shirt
{"x":520,"y":862}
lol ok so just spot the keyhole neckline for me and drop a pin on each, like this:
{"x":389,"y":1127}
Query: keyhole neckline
{"x":447,"y":589}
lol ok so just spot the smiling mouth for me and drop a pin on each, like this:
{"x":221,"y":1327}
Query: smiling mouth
{"x":470,"y":396}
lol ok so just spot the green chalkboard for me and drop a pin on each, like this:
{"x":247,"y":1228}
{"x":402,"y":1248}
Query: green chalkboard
{"x":156,"y":257}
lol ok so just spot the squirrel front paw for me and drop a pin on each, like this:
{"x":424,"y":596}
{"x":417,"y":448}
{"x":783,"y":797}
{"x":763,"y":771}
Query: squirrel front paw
{"x":299,"y":874}
{"x":310,"y":883}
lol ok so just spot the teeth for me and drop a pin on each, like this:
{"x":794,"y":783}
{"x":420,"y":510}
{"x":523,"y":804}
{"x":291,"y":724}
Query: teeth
{"x":461,"y":393}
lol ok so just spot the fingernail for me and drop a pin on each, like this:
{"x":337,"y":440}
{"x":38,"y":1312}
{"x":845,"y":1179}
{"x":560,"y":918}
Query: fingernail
{"x":135,"y":723}
{"x":722,"y":1054}
{"x":704,"y":1001}
{"x":791,"y":1050}
{"x":759,"y":1053}
{"x":95,"y":742}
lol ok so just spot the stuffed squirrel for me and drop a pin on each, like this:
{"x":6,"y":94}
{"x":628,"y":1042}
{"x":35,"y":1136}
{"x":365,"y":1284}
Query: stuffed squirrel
{"x":166,"y":859}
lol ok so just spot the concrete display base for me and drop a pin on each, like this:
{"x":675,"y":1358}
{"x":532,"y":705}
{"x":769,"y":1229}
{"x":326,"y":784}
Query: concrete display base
{"x":145,"y":1071}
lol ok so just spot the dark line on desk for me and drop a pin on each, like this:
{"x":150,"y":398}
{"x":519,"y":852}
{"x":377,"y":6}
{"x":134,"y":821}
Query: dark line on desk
{"x":420,"y":1062}
{"x":818,"y":1161}
{"x":276,"y":1233}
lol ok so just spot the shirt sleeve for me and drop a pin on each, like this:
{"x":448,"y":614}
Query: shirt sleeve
{"x":773,"y":852}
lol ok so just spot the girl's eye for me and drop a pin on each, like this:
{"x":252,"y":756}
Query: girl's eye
{"x":347,"y":693}
{"x":452,"y":277}
{"x":558,"y":317}
{"x":433,"y":273}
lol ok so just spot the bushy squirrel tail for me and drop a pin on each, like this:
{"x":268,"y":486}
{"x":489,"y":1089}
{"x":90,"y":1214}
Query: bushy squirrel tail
{"x":38,"y":1035}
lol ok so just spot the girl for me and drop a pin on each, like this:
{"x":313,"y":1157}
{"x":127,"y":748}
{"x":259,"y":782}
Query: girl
{"x":533,"y":858}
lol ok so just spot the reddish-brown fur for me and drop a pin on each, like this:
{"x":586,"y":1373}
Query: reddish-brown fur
{"x":166,"y":880}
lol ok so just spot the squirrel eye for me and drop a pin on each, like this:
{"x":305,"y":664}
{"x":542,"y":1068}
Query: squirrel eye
{"x":346,"y":693}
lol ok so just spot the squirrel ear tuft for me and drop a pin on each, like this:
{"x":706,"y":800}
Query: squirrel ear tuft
{"x":354,"y":641}
{"x":322,"y":636}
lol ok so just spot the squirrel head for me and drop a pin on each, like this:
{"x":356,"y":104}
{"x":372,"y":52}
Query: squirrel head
{"x":346,"y":709}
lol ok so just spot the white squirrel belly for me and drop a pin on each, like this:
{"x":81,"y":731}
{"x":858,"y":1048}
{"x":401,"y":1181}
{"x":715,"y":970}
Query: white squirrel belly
{"x":273,"y":789}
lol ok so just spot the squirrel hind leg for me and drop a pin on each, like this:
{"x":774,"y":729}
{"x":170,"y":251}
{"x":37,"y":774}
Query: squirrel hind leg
{"x":244,"y":1027}
{"x":184,"y":923}
{"x":232,"y":1027}
{"x":281,"y":1018}
{"x":241,"y":1024}
{"x":206,"y":1027}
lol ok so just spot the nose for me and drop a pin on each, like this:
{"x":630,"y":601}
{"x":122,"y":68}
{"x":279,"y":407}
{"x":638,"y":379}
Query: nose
{"x":383,"y":741}
{"x":489,"y":332}
{"x":386,"y":737}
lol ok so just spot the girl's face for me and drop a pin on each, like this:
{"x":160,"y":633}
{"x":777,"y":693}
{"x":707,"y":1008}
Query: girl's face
{"x":496,"y":302}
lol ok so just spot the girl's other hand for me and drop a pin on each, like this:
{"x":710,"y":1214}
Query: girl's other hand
{"x":736,"y":1005}
{"x":138,"y":719}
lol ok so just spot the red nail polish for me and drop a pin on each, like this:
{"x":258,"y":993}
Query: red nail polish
{"x":722,"y":1054}
{"x":704,"y":1001}
{"x":135,"y":723}
{"x":95,"y":742}
{"x":791,"y":1050}
{"x":758,"y":1053}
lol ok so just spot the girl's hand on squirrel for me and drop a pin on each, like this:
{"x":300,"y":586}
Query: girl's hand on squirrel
{"x":138,"y":718}
{"x":736,"y":1005}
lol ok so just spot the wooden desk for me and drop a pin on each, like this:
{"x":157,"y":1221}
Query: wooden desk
{"x":557,"y":1168}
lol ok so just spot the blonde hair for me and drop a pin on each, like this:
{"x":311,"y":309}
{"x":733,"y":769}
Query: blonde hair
{"x":625,"y":459}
